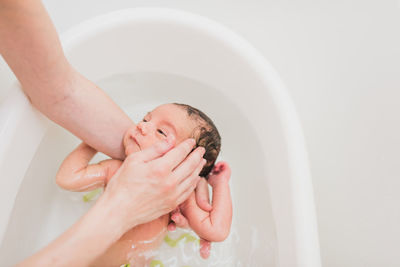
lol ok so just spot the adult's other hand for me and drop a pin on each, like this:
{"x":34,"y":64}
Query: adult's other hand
{"x":152,"y":182}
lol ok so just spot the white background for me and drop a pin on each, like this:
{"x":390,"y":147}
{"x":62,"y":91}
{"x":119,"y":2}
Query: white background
{"x":341,"y":63}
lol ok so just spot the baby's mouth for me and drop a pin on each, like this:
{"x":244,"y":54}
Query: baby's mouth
{"x":132,"y":147}
{"x":136,"y":142}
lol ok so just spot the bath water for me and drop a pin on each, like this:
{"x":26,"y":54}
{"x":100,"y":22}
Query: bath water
{"x":180,"y":248}
{"x":42,"y":211}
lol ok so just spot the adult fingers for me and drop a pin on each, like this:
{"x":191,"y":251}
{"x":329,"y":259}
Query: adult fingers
{"x":202,"y":195}
{"x":175,"y":156}
{"x":187,"y":167}
{"x":187,"y":186}
{"x":155,"y":151}
{"x":191,"y":185}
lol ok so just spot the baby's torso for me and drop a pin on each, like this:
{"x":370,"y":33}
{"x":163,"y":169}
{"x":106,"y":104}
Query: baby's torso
{"x":136,"y":246}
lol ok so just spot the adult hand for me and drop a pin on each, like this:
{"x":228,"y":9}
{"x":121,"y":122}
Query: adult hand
{"x":152,"y":182}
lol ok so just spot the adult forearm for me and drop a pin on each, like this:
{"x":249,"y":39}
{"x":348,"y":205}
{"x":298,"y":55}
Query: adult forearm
{"x":91,"y":115}
{"x":83,"y":242}
{"x":146,"y":187}
{"x":30,"y":45}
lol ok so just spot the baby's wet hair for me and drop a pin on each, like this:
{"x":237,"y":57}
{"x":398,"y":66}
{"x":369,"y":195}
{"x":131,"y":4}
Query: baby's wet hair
{"x":206,"y":135}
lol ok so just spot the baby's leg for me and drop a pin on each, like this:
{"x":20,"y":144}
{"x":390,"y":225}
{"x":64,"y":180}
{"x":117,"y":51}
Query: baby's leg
{"x":136,"y":246}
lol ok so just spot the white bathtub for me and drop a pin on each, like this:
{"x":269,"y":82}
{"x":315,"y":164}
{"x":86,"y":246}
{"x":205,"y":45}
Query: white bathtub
{"x":148,"y":56}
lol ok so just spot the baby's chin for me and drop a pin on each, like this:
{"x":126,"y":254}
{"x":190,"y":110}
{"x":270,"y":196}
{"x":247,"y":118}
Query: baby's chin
{"x":130,"y":149}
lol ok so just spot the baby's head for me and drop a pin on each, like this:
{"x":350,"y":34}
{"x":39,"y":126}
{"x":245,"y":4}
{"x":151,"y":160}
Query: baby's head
{"x":180,"y":120}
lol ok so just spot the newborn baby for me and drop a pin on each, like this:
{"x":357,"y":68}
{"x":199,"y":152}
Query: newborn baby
{"x":181,"y":121}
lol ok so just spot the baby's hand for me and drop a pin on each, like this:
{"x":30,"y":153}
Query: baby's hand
{"x":179,"y":220}
{"x":221,"y":173}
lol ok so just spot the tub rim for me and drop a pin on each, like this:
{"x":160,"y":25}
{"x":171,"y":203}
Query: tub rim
{"x":306,"y":235}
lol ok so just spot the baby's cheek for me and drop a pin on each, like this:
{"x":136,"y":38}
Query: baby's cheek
{"x":148,"y":142}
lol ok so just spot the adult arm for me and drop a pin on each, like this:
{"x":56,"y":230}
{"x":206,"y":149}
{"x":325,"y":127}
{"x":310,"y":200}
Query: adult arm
{"x":30,"y":45}
{"x":150,"y":183}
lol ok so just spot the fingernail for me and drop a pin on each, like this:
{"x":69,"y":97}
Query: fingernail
{"x":204,"y":162}
{"x":202,"y":151}
{"x":192,"y":141}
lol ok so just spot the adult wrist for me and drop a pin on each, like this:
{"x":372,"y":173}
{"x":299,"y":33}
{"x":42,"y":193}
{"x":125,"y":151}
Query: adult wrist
{"x":119,"y":218}
{"x":87,"y":239}
{"x":109,"y":212}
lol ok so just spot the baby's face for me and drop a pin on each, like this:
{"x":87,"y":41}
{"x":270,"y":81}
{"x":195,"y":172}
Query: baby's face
{"x":165,"y":120}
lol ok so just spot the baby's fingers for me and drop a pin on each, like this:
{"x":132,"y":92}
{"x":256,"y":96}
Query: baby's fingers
{"x":180,"y":220}
{"x":171,"y":226}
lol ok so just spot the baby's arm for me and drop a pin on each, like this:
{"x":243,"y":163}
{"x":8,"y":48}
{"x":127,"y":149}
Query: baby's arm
{"x":213,"y":226}
{"x":75,"y":173}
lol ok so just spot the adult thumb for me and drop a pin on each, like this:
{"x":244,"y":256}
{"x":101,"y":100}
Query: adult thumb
{"x":155,"y":151}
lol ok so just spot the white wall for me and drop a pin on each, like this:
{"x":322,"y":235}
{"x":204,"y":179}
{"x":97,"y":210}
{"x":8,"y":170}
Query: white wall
{"x":341,"y":63}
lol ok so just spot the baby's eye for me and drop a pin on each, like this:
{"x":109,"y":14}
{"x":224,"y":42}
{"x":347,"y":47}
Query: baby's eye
{"x":161,"y":132}
{"x":144,"y":120}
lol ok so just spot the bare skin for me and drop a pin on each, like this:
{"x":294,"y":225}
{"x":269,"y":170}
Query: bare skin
{"x":149,"y":183}
{"x":212,"y":225}
{"x":206,"y":220}
{"x":164,"y":188}
{"x":30,"y":45}
{"x":134,"y":246}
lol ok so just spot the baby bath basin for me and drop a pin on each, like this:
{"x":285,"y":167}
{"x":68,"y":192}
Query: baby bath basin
{"x":147,"y":56}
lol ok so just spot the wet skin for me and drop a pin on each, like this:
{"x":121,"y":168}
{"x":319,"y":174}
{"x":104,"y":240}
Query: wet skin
{"x":135,"y":246}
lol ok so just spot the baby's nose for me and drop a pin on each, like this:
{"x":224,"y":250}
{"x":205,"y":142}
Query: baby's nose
{"x":143,"y":127}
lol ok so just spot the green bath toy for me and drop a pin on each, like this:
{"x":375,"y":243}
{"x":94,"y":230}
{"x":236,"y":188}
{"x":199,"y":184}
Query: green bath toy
{"x":173,"y":243}
{"x":153,"y":263}
{"x":92,"y":194}
{"x":189,"y":238}
{"x":156,"y":263}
